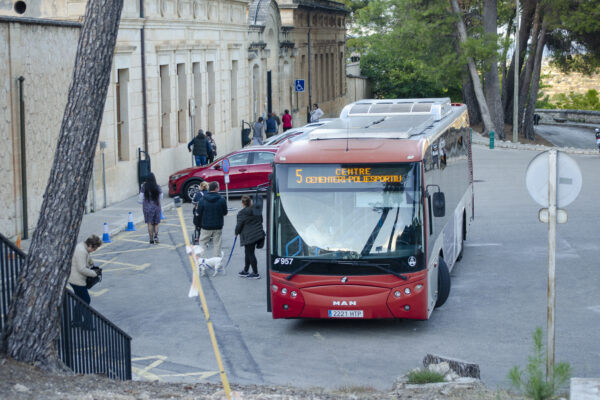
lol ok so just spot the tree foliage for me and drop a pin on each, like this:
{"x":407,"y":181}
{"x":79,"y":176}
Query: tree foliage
{"x":409,"y":49}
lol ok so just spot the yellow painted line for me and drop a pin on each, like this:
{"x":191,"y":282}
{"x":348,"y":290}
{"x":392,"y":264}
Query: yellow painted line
{"x":165,"y":224}
{"x":149,"y":248}
{"x":198,"y":285}
{"x":97,"y":293}
{"x":144,"y":374}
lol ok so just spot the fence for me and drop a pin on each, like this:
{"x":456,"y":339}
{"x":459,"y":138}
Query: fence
{"x":88,"y":342}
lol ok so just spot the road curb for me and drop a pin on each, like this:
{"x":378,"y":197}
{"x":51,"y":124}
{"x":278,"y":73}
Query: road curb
{"x":480,"y":140}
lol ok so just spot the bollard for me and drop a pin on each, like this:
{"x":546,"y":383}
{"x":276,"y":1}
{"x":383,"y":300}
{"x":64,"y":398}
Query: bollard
{"x":491,"y":139}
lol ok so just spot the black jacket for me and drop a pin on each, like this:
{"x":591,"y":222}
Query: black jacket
{"x":249,"y":227}
{"x":201,"y":145}
{"x":212,"y":208}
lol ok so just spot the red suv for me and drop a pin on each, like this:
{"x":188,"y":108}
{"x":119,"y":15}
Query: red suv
{"x":248,"y":168}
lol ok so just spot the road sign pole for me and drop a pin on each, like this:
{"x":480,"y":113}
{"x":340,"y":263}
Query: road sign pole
{"x":552,"y":161}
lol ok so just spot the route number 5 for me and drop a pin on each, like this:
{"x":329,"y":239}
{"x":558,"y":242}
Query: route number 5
{"x":299,"y":175}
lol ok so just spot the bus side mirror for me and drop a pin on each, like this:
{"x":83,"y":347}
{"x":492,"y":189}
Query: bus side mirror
{"x":439,"y":204}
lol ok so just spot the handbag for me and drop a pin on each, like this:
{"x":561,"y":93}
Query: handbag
{"x":89,"y":281}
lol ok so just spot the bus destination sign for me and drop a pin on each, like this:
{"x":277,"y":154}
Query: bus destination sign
{"x":336,"y":175}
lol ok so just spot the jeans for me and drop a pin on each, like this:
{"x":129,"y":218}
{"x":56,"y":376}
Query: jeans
{"x":200,"y":160}
{"x":250,"y":258}
{"x":206,"y":235}
{"x":81,"y":316}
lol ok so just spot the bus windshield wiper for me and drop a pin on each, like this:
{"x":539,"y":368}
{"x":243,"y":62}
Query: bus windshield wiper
{"x":306,"y":264}
{"x":383,"y":267}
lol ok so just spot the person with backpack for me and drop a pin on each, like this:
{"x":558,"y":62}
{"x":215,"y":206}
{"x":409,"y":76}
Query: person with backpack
{"x":213,"y":147}
{"x":201,"y":148}
{"x":271,"y":128}
{"x":250,"y":229}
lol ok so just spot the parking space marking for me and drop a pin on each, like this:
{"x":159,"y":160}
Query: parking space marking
{"x":135,"y":267}
{"x":201,"y":375}
{"x":158,"y":360}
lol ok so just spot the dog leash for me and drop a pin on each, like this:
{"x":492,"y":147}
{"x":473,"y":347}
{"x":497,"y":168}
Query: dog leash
{"x":230,"y":254}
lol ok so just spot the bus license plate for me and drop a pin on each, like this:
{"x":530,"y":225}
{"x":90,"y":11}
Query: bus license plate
{"x":345,"y":313}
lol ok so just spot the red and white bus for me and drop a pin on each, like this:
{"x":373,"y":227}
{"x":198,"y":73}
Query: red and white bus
{"x":367,"y":216}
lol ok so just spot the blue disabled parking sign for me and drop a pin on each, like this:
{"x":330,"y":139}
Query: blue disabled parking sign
{"x":299,"y":85}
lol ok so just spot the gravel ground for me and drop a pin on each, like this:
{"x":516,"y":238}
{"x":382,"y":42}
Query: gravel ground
{"x":23,"y":381}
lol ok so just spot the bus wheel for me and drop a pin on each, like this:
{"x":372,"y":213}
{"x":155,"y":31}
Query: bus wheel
{"x":443,"y":283}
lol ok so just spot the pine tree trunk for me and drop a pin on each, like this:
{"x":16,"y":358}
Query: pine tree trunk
{"x":469,"y":98}
{"x":32,"y":325}
{"x":535,"y":83}
{"x":491,"y":80}
{"x":483,"y":108}
{"x":508,"y":83}
{"x":525,"y":82}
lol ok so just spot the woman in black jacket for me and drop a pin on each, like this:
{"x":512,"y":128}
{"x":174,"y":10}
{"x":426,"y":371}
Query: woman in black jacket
{"x":249,"y":227}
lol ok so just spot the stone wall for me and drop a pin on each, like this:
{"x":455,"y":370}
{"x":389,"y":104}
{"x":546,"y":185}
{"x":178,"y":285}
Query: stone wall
{"x":568,"y":116}
{"x":559,"y":82}
{"x":29,"y":49}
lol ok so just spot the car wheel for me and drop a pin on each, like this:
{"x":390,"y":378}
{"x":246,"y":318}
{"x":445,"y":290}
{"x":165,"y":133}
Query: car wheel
{"x":190,"y":189}
{"x":443,"y":283}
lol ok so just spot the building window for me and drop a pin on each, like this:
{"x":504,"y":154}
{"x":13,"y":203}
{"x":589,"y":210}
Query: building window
{"x":210,"y":70}
{"x":196,"y":111}
{"x":234,"y":88}
{"x":165,"y":107}
{"x":182,"y":104}
{"x":122,"y":107}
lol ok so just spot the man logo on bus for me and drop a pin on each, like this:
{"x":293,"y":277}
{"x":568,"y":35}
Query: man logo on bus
{"x":344,"y":279}
{"x":344,"y":303}
{"x":412,"y":261}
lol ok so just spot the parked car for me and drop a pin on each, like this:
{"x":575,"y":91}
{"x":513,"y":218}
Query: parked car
{"x":248,"y":168}
{"x":294,"y":132}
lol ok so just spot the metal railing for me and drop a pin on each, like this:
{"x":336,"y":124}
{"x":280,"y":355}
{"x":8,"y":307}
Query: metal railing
{"x":88,"y":342}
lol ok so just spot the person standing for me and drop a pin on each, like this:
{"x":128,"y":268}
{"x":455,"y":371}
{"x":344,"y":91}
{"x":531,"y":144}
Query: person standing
{"x":287,"y":120}
{"x":271,"y":126}
{"x":150,"y":197}
{"x":250,"y":229}
{"x":213,"y":147}
{"x":80,"y":270}
{"x":316,"y":113}
{"x":212,"y":209}
{"x":276,"y":117}
{"x":258,"y":128}
{"x":201,"y":148}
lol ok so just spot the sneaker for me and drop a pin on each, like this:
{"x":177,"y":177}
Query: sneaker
{"x":152,"y":242}
{"x":243,"y":274}
{"x":156,"y":239}
{"x":253,"y":276}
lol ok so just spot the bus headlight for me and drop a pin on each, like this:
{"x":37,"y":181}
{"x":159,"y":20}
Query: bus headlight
{"x":283,"y":290}
{"x":293,"y":294}
{"x":274,"y":287}
{"x":397,"y":293}
{"x":406,"y":290}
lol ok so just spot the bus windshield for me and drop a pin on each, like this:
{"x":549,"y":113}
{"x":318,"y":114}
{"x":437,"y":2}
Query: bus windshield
{"x":348,"y":212}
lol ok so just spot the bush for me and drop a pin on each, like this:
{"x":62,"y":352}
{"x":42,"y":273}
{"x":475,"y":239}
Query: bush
{"x":533,"y":382}
{"x":578,"y":101}
{"x":421,"y":376}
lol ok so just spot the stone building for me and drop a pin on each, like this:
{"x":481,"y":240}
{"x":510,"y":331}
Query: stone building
{"x":31,"y":71}
{"x":180,"y":66}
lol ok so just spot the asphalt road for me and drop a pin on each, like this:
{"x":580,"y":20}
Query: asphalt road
{"x":568,"y":136}
{"x":498,"y":298}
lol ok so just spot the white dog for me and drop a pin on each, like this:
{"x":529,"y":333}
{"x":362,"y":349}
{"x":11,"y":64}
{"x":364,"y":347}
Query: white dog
{"x":214,"y":264}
